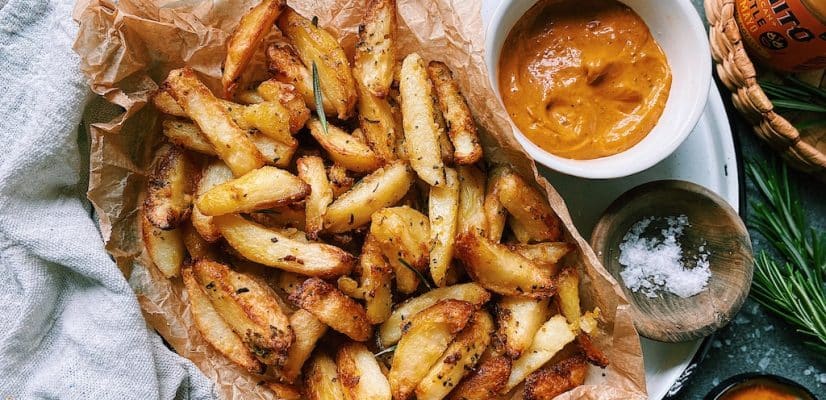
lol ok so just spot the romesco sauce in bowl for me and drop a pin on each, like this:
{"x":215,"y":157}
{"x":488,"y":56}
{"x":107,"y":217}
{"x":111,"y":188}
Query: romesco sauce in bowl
{"x":583,"y":79}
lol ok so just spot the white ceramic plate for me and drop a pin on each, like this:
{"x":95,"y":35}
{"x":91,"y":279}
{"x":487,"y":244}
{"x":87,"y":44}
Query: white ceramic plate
{"x":707,"y":158}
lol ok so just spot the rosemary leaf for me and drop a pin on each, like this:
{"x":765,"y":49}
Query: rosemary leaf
{"x":319,"y":99}
{"x":386,"y":351}
{"x":798,"y":105}
{"x":419,"y":274}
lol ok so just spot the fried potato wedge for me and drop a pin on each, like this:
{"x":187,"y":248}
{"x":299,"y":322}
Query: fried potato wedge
{"x":275,"y":153}
{"x":291,"y":216}
{"x":486,"y":382}
{"x":229,"y":141}
{"x":290,"y":97}
{"x":495,"y":213}
{"x":308,"y":330}
{"x":519,"y":318}
{"x":376,"y":48}
{"x":195,"y":245}
{"x":459,"y":358}
{"x":559,"y":378}
{"x":545,"y":254}
{"x":187,"y":135}
{"x":462,"y":127}
{"x":382,"y":188}
{"x":287,"y":68}
{"x":378,"y":124}
{"x":443,"y":213}
{"x":165,"y":103}
{"x":321,"y":381}
{"x":567,"y":284}
{"x":284,"y":392}
{"x":169,"y":188}
{"x":247,"y":38}
{"x":445,"y":146}
{"x":532,"y":219}
{"x":592,"y":353}
{"x":549,"y":339}
{"x":471,"y":200}
{"x":249,"y":308}
{"x":340,"y":181}
{"x":270,"y":118}
{"x":275,"y":249}
{"x":214,"y":330}
{"x":425,"y":338}
{"x":421,"y":132}
{"x":375,"y":283}
{"x":360,"y":375}
{"x":263,"y":188}
{"x":343,"y":148}
{"x":502,"y":270}
{"x":403,"y":234}
{"x":333,"y":308}
{"x":391,"y":330}
{"x":166,"y":249}
{"x":315,"y":45}
{"x":311,"y":170}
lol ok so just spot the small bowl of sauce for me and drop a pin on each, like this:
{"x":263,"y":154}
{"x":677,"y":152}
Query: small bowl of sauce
{"x":759,"y":387}
{"x":599,"y":88}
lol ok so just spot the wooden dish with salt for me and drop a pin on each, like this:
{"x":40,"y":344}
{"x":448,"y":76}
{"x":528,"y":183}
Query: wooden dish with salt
{"x":712,"y":228}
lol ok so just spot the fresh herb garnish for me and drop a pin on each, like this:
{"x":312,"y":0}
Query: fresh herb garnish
{"x":791,"y":287}
{"x":419,"y":274}
{"x":386,"y":351}
{"x":319,"y":100}
{"x":796,"y":95}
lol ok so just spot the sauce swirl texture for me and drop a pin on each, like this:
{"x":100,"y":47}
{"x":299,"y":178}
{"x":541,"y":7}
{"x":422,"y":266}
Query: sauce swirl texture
{"x":583,"y":79}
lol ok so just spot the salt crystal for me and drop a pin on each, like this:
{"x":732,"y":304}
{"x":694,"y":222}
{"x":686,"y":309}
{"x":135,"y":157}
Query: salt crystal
{"x":655,"y":264}
{"x":821,"y":378}
{"x":715,"y":381}
{"x":716,"y":344}
{"x":764,"y":362}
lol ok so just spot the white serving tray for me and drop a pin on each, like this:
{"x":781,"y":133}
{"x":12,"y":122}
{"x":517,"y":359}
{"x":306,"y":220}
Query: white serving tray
{"x":707,"y":158}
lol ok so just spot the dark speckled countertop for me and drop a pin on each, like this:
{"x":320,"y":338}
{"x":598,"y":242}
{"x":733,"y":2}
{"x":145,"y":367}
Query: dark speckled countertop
{"x":756,"y":341}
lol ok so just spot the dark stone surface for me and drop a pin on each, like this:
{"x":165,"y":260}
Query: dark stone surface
{"x":757,"y":341}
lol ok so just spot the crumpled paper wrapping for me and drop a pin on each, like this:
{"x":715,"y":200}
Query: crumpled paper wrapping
{"x":129,"y":47}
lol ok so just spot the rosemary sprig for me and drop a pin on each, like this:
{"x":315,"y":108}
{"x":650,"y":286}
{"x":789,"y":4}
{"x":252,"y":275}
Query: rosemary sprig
{"x":419,"y":274}
{"x":792,"y":287}
{"x":386,"y":351}
{"x":794,"y":94}
{"x":319,"y":100}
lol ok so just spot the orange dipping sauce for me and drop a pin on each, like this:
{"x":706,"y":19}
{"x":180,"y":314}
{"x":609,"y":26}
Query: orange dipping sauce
{"x":758,"y":392}
{"x":583,"y":79}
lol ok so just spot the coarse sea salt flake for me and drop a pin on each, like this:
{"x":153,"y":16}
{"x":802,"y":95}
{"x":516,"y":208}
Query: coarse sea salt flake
{"x":655,"y":264}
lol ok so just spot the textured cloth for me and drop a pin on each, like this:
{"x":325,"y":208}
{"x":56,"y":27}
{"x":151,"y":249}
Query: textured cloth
{"x":70,"y":326}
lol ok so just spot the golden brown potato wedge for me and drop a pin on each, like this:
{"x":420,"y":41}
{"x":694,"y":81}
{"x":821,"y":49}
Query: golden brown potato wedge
{"x":214,"y":330}
{"x":270,"y":118}
{"x":315,"y":45}
{"x":343,"y":148}
{"x":391,"y":330}
{"x":272,"y":248}
{"x":249,"y":308}
{"x":559,"y":378}
{"x":378,"y":124}
{"x":427,"y":336}
{"x":213,"y":174}
{"x":229,"y":141}
{"x":545,"y":254}
{"x":592,"y":353}
{"x":289,"y":96}
{"x":532,"y":219}
{"x":549,"y":339}
{"x":291,"y":216}
{"x":502,"y":270}
{"x":288,"y":282}
{"x":376,"y":48}
{"x":403,"y":234}
{"x":186,"y":134}
{"x":308,"y":330}
{"x":495,"y":213}
{"x":311,"y":170}
{"x":375,"y":283}
{"x":382,"y":188}
{"x":421,"y":132}
{"x":167,"y":104}
{"x":247,"y":38}
{"x":462,"y":127}
{"x":165,"y":248}
{"x":486,"y":382}
{"x":288,"y":68}
{"x":567,"y":284}
{"x":259,"y":189}
{"x":169,"y":188}
{"x":445,"y":146}
{"x":443,"y":210}
{"x":275,"y":153}
{"x":340,"y":181}
{"x":196,"y":246}
{"x":333,"y":308}
{"x":471,"y":200}
{"x":459,"y":358}
{"x":321,"y":381}
{"x":360,"y":375}
{"x":519,"y":318}
{"x":284,"y":392}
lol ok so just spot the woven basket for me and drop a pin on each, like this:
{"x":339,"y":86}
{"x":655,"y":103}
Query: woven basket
{"x":806,"y":152}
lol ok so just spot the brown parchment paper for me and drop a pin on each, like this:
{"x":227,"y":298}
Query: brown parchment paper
{"x":128,"y":47}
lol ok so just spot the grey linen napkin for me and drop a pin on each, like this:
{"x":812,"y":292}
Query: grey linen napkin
{"x":70,"y":326}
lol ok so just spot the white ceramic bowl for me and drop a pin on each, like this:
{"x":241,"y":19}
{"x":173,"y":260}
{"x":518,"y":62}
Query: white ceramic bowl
{"x":679,"y":31}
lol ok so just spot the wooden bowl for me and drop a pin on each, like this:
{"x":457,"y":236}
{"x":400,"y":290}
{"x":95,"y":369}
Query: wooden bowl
{"x":714,"y":224}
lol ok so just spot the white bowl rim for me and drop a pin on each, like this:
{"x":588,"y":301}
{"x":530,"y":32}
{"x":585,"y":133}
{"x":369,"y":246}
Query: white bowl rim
{"x":586,"y":168}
